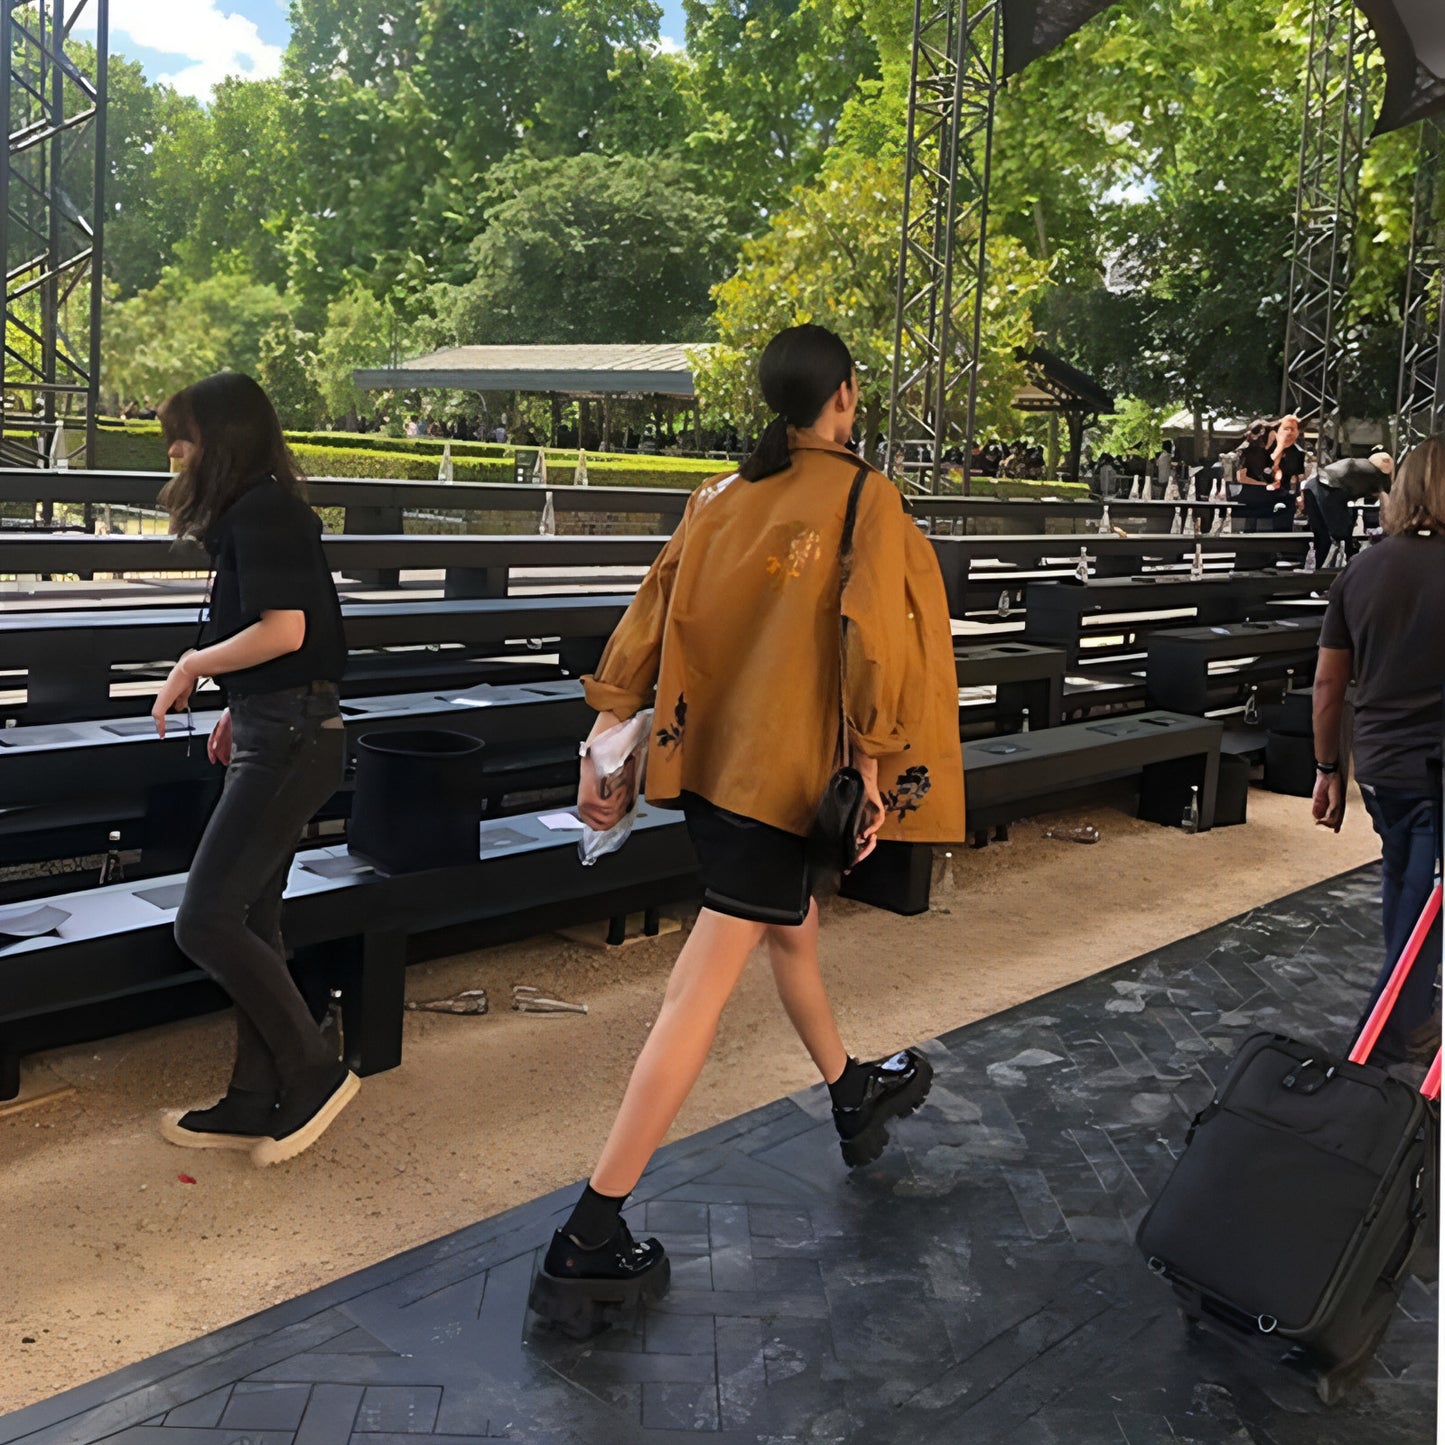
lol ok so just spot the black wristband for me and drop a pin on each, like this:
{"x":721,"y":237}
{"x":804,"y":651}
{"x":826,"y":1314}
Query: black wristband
{"x":1328,"y":769}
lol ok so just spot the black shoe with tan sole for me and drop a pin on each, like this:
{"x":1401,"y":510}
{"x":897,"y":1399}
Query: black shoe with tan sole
{"x":895,"y":1088}
{"x":238,"y":1121}
{"x":583,"y":1291}
{"x":304,"y":1114}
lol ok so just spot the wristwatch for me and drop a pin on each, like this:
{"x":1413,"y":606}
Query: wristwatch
{"x":1326,"y":769}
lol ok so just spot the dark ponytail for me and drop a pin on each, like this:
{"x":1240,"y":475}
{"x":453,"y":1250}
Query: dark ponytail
{"x":799,"y":370}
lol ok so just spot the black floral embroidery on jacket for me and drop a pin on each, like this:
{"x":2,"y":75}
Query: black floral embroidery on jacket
{"x":670,"y":736}
{"x":907,"y":795}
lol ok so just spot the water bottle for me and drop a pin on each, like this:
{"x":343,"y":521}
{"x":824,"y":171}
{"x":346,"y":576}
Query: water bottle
{"x":1024,"y":727}
{"x":1004,"y":605}
{"x":1196,"y":569}
{"x":1190,"y":820}
{"x":1176,"y":527}
{"x":331,"y":1029}
{"x":1251,"y":708}
{"x":1105,"y":526}
{"x":112,"y":871}
{"x":1082,"y":570}
{"x":941,"y":893}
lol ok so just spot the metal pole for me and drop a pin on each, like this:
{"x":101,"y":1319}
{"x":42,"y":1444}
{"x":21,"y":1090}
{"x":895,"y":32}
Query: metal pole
{"x":97,"y":224}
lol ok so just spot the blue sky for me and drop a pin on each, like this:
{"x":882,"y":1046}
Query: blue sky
{"x":192,"y":44}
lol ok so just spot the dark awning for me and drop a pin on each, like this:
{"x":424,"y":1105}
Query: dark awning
{"x":641,"y":370}
{"x":1057,"y":386}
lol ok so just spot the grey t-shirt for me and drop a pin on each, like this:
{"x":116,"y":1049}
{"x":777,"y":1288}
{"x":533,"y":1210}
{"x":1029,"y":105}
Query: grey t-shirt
{"x":1388,"y":608}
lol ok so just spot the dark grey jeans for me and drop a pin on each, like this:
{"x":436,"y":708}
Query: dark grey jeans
{"x":288,"y":752}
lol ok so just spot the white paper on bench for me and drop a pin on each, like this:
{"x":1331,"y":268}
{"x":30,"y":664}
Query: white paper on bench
{"x":557,"y":821}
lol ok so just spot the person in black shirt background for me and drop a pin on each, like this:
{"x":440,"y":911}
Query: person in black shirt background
{"x":1290,"y":464}
{"x":1385,"y":629}
{"x":1260,"y":492}
{"x":274,"y":639}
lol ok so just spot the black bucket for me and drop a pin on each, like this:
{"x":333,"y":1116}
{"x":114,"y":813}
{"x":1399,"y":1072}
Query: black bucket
{"x":418,"y":801}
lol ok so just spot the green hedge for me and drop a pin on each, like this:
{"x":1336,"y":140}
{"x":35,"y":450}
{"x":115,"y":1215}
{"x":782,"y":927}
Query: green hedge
{"x":136,"y":446}
{"x":1017,"y":488}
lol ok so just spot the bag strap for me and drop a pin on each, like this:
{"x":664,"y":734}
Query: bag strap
{"x":1385,"y":1004}
{"x":845,"y":560}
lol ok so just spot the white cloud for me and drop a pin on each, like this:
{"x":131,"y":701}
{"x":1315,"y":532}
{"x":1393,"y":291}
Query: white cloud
{"x":215,"y":42}
{"x":666,"y":45}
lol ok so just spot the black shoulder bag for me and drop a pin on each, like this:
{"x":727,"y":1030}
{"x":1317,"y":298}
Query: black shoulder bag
{"x":833,"y":846}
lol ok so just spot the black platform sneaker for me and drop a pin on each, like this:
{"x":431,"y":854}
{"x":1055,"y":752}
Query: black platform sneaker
{"x":238,"y":1121}
{"x":896,"y":1087}
{"x":582,"y":1291}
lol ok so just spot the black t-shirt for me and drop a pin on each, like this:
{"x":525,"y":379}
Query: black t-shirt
{"x":1292,"y":462}
{"x":267,"y":551}
{"x":1258,"y":462}
{"x":1388,"y":608}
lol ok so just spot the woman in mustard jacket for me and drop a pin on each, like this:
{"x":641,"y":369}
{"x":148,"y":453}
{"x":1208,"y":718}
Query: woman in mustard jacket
{"x":733,"y":637}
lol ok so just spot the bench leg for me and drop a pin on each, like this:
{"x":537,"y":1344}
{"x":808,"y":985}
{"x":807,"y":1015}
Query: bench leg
{"x":1000,"y":833}
{"x":373,"y":993}
{"x":651,"y":922}
{"x":9,"y":1070}
{"x":980,"y":838}
{"x":617,"y":930}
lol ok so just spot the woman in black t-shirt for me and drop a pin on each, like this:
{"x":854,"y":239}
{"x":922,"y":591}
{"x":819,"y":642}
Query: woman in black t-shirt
{"x":1255,"y":475}
{"x":274,"y":638}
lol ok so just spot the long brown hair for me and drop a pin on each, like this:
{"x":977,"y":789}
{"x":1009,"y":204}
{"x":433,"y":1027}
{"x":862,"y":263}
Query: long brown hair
{"x":233,"y":422}
{"x":1416,"y":499}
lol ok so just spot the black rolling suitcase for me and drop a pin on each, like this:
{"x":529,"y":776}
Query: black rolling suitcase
{"x":1301,"y":1199}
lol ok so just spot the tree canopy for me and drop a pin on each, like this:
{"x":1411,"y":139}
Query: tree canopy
{"x":544,"y":170}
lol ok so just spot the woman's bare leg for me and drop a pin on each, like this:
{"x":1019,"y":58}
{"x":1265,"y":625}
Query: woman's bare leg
{"x":796,"y":972}
{"x":703,"y":978}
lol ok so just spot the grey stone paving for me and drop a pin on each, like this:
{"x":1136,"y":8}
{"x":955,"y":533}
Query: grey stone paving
{"x":978,"y":1284}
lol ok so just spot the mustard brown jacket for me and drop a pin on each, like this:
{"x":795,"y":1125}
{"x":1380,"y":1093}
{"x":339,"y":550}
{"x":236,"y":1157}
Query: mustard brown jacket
{"x":734,"y":633}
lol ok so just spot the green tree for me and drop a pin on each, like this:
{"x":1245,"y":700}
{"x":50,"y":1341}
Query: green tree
{"x":772,"y":78}
{"x":589,"y":249}
{"x":154,"y":141}
{"x":181,"y":330}
{"x":285,"y":363}
{"x":359,"y":333}
{"x":831,"y":257}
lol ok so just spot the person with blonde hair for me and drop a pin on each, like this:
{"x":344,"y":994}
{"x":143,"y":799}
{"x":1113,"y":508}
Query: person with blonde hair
{"x":1385,"y":629}
{"x":770,"y":642}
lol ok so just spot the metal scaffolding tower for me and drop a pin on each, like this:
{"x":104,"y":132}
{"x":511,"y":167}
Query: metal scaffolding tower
{"x":1420,"y":404}
{"x":957,"y":69}
{"x":1331,"y":148}
{"x":53,"y":93}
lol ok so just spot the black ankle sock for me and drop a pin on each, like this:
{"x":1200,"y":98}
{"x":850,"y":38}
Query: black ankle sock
{"x":593,"y":1220}
{"x":849,"y":1087}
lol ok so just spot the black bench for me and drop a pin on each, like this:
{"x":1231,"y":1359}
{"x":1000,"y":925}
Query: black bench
{"x":1034,"y":514}
{"x":63,"y":787}
{"x":1008,"y":778}
{"x":350,"y":930}
{"x":1183,"y":672}
{"x":474,"y":566}
{"x":975,"y":568}
{"x":370,"y":505}
{"x":1065,"y":614}
{"x":68,"y":657}
{"x":1026,"y":678}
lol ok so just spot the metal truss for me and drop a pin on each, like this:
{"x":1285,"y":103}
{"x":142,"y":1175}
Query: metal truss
{"x":53,"y":92}
{"x":1331,"y":148}
{"x":957,"y":69}
{"x":1420,"y":404}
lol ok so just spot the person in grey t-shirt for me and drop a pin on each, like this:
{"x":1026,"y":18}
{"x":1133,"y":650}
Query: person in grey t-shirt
{"x":1385,"y":628}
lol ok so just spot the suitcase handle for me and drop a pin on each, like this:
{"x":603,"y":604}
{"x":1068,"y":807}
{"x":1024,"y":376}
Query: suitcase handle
{"x":1385,"y":1004}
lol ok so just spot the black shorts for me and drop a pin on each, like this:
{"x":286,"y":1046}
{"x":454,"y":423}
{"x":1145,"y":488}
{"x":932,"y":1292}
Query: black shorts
{"x":749,"y":869}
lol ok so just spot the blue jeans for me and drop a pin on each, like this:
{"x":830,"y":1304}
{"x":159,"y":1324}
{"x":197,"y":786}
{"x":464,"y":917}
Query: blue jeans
{"x":1409,"y":829}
